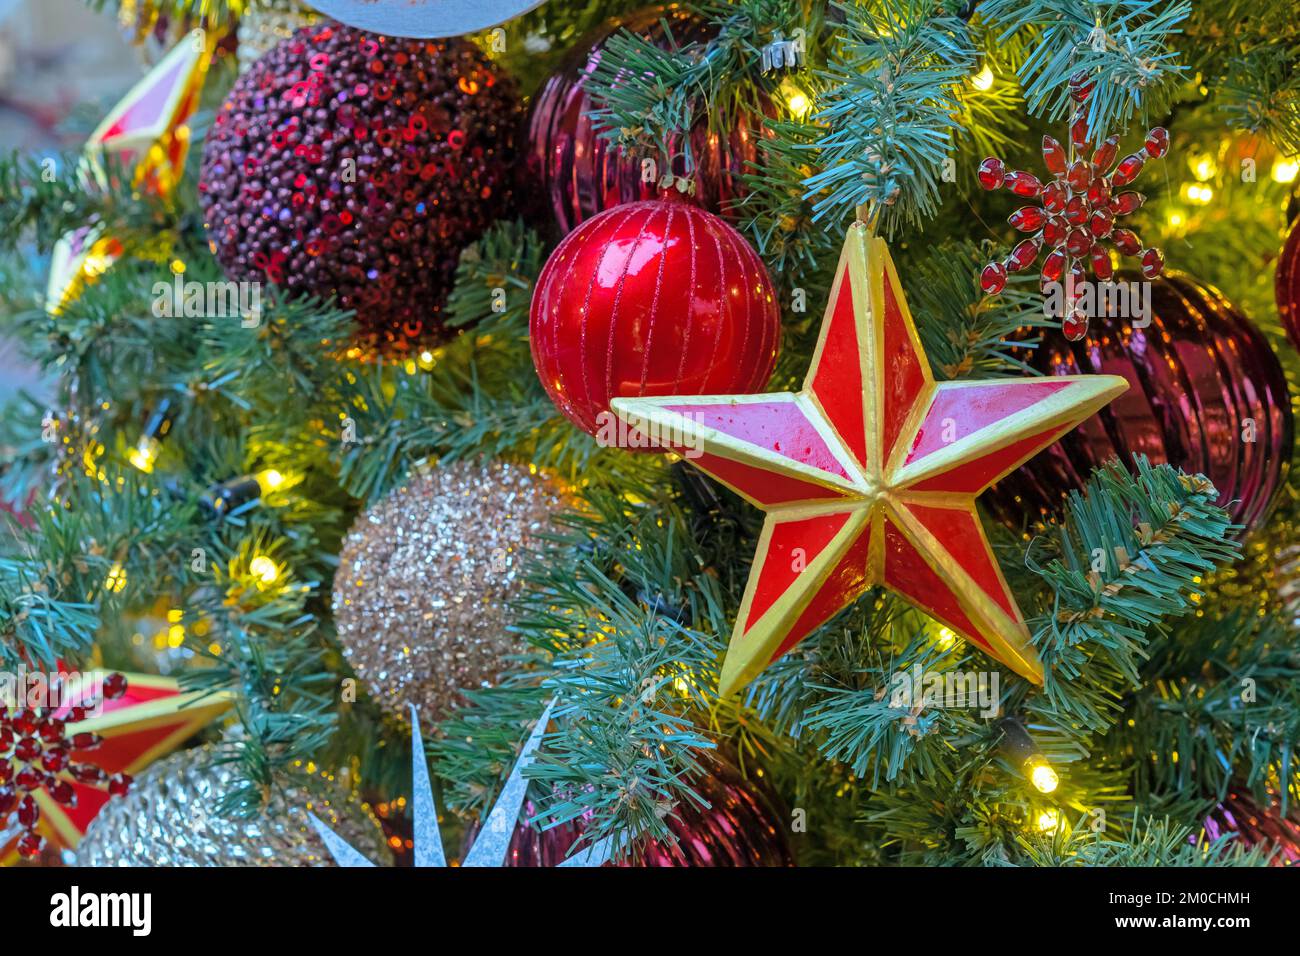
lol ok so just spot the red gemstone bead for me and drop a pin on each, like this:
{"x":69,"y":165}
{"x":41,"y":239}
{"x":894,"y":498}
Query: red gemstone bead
{"x":27,"y":749}
{"x":1157,"y":143}
{"x":1054,"y":155}
{"x":1027,"y":218}
{"x":1153,"y":263}
{"x":1128,"y":169}
{"x":1101,"y":265}
{"x":52,"y":730}
{"x":29,"y":845}
{"x":1055,"y":196}
{"x":1079,"y":133}
{"x":6,"y":739}
{"x":1080,"y":87}
{"x":8,"y":797}
{"x":29,"y":778}
{"x":1100,"y":223}
{"x":1024,"y":254}
{"x":87,"y":773}
{"x":62,"y":792}
{"x":24,"y":722}
{"x":1023,"y":184}
{"x":994,"y":278}
{"x":28,"y":811}
{"x":1054,"y":231}
{"x":1076,"y":211}
{"x":1125,"y":203}
{"x":1126,"y":241}
{"x":1079,"y":176}
{"x":992,"y":173}
{"x":1053,"y":266}
{"x":119,"y":784}
{"x":1078,"y":242}
{"x":76,"y":715}
{"x":1099,"y":191}
{"x":1075,"y":326}
{"x":55,"y":759}
{"x":1105,"y":154}
{"x":114,"y":686}
{"x":6,"y":771}
{"x":85,"y":741}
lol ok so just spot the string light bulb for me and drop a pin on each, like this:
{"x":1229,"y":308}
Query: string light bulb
{"x":1049,"y":820}
{"x":264,"y":570}
{"x":115,"y":581}
{"x":1025,"y":755}
{"x":145,"y":453}
{"x":1285,"y":169}
{"x":983,"y":80}
{"x":796,"y":100}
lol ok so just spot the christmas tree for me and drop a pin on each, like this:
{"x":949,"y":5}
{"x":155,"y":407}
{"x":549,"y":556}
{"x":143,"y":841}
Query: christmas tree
{"x":865,"y":426}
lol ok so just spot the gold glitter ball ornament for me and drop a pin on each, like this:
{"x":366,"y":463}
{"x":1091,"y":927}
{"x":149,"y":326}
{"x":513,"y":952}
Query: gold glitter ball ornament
{"x":425,"y":578}
{"x":171,"y":818}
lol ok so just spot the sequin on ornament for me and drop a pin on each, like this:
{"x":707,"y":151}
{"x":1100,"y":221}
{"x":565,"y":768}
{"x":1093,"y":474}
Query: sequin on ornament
{"x":348,"y":165}
{"x":1076,"y":211}
{"x":37,"y":753}
{"x":424,"y":579}
{"x":173,"y":817}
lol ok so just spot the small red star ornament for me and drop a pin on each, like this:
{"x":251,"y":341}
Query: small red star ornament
{"x":59,"y":764}
{"x":148,"y":131}
{"x":869,"y":474}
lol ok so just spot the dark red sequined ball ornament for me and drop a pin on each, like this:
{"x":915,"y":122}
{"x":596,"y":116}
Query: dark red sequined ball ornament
{"x":1077,"y":211}
{"x":350,"y":164}
{"x":41,"y":759}
{"x":651,"y":298}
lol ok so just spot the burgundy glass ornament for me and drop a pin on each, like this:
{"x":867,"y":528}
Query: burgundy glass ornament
{"x":583,"y":174}
{"x":1253,"y":826}
{"x":652,"y":298}
{"x":1207,"y":395}
{"x":1287,"y":285}
{"x":358,"y":166}
{"x":740,"y":828}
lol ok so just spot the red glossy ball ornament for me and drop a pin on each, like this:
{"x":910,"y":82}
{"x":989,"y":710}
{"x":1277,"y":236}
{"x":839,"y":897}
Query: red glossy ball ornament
{"x":357,"y":166}
{"x":1207,"y":395}
{"x":1287,"y":285}
{"x":652,"y":298}
{"x":740,"y":827}
{"x":581,"y":173}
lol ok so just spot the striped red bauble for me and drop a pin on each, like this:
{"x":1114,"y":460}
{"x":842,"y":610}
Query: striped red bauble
{"x":651,"y":298}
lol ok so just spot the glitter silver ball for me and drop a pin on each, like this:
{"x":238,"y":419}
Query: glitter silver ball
{"x":425,"y":578}
{"x":170,"y":818}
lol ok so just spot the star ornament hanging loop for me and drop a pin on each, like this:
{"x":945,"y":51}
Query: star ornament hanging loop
{"x":869,"y":474}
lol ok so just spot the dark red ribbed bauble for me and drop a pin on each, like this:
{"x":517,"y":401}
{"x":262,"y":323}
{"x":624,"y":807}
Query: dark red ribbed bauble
{"x":651,"y":298}
{"x":582,"y":173}
{"x":1252,"y":825}
{"x":1287,"y":284}
{"x":349,"y":164}
{"x":1207,"y":395}
{"x":739,"y":828}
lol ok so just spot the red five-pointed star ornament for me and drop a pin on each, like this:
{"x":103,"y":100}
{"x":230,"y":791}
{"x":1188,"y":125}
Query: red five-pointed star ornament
{"x":869,"y":474}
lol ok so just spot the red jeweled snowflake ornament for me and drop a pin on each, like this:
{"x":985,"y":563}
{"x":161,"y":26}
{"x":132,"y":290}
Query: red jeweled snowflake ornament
{"x":37,"y":753}
{"x":1077,"y":210}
